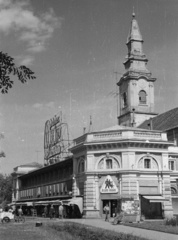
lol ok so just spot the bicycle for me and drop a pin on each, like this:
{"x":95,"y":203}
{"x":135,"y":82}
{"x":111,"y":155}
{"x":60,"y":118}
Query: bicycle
{"x":19,"y":218}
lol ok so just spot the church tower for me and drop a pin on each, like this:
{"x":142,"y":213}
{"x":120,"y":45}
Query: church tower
{"x":136,"y":86}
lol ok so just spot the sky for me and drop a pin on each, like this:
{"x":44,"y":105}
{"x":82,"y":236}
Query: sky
{"x":75,"y":47}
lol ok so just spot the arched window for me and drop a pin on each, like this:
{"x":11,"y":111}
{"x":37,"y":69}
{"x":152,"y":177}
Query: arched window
{"x":108,"y":163}
{"x":173,"y":191}
{"x":147,"y":163}
{"x":142,"y":97}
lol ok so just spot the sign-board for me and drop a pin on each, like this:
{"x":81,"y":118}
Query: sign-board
{"x":109,"y":186}
{"x":52,"y":137}
{"x":130,"y":206}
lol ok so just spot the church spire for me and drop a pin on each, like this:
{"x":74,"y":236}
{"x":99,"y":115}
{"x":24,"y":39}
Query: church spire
{"x":136,"y":86}
{"x":134,"y":33}
{"x":135,"y":60}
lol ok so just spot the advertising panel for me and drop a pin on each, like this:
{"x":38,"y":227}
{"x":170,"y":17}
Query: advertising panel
{"x":55,"y":140}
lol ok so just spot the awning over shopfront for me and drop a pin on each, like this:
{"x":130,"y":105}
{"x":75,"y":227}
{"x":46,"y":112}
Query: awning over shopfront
{"x":157,"y":198}
{"x":21,"y":204}
{"x":50,"y":202}
{"x":73,"y":201}
{"x":77,"y":201}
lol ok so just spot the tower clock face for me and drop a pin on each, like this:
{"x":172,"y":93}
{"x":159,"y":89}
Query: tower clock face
{"x":142,"y":83}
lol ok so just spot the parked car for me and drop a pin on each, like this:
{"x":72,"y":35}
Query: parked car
{"x":6,"y":216}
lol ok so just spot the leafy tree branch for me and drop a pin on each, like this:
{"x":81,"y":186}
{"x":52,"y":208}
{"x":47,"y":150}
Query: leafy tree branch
{"x":7,"y":68}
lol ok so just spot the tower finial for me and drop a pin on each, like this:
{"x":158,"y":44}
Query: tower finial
{"x":90,"y":126}
{"x":133,"y":14}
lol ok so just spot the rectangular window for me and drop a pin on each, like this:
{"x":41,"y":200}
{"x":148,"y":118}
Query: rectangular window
{"x":54,"y":189}
{"x":171,"y":165}
{"x":108,"y":163}
{"x":147,"y":163}
{"x":47,"y":191}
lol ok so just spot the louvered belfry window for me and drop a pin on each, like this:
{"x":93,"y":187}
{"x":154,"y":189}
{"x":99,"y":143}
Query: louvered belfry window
{"x":142,"y":97}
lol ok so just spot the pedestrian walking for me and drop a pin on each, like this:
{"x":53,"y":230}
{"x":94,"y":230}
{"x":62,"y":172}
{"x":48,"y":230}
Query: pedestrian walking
{"x":106,"y":210}
{"x":51,"y":212}
{"x":61,"y":211}
{"x":20,"y":212}
{"x":45,"y":211}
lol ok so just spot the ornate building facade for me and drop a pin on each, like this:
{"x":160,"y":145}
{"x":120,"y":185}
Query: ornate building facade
{"x":134,"y":161}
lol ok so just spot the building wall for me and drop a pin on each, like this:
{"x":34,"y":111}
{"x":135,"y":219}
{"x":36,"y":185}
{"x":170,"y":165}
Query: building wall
{"x":175,"y":205}
{"x":120,"y":161}
{"x":50,"y":182}
{"x":128,"y":174}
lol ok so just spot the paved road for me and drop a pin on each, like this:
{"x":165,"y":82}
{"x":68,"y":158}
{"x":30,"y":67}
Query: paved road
{"x":148,"y":234}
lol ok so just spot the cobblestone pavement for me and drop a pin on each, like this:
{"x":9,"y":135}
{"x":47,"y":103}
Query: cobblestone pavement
{"x":148,"y":234}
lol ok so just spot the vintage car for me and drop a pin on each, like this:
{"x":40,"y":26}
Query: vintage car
{"x":6,"y":216}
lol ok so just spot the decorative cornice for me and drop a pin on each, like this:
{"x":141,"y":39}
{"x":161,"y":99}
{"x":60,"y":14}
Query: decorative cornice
{"x":138,"y":112}
{"x":121,"y":138}
{"x":126,"y":144}
{"x":136,"y":75}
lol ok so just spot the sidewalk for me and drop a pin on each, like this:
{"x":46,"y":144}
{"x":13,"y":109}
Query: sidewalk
{"x":148,"y":234}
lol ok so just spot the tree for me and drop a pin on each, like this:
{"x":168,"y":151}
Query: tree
{"x":7,"y":68}
{"x":5,"y":189}
{"x":2,"y":154}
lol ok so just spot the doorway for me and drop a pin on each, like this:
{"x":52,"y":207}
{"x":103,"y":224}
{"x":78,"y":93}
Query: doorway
{"x":112,"y":206}
{"x":151,"y":210}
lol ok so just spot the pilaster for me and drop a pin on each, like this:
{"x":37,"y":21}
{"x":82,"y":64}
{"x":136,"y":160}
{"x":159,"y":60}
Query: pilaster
{"x":91,"y":197}
{"x":166,"y":190}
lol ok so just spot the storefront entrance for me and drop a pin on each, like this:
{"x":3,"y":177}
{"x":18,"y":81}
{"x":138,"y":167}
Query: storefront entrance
{"x":112,"y":206}
{"x":151,"y":210}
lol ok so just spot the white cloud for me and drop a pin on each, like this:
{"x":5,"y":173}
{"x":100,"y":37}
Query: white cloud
{"x":32,"y":29}
{"x":49,"y":105}
{"x":25,"y":59}
{"x":37,"y":105}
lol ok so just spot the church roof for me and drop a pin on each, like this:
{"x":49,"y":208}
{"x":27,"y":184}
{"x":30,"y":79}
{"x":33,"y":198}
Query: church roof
{"x":163,"y":122}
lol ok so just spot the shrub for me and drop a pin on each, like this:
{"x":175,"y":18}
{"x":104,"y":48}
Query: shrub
{"x":172,"y":221}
